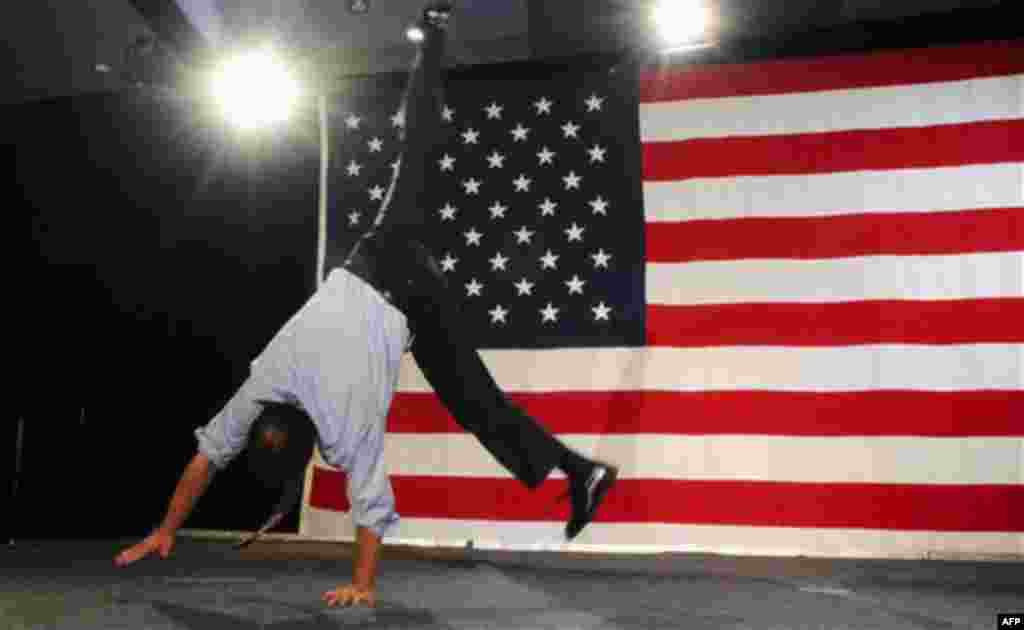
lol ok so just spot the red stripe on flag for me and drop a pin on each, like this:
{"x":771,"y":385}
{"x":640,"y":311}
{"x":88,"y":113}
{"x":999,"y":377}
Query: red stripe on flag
{"x":923,"y":65}
{"x":328,"y":490}
{"x":992,"y":320}
{"x":986,"y":142}
{"x":745,"y":503}
{"x":897,"y":234}
{"x":860,"y":413}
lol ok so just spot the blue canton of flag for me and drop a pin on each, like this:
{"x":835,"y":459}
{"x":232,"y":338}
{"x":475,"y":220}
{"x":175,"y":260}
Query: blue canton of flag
{"x":535,"y":210}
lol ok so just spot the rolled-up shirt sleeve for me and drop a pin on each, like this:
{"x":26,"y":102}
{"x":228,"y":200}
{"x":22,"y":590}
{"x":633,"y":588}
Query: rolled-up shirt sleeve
{"x":369,"y":488}
{"x":226,"y":435}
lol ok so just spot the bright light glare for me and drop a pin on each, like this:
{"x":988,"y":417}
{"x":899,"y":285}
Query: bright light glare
{"x":254,"y":89}
{"x":415,"y":34}
{"x":681,"y":21}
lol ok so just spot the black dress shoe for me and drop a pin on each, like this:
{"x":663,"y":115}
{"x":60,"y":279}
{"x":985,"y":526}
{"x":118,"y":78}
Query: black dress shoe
{"x":587,"y":496}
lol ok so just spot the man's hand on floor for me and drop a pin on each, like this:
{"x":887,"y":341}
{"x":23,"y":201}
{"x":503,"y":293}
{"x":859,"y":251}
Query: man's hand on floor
{"x":159,"y":541}
{"x":351,"y":595}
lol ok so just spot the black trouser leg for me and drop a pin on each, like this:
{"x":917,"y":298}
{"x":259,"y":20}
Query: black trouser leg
{"x":463,"y":383}
{"x":404,"y":204}
{"x":448,"y":358}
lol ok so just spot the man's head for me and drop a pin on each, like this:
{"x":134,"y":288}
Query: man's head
{"x":280,"y":443}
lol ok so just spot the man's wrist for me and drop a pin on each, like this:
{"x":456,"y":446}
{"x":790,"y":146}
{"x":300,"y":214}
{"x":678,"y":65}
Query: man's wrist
{"x":166,"y":530}
{"x":364,"y":573}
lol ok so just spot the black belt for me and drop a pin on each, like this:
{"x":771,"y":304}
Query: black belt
{"x":364,"y":266}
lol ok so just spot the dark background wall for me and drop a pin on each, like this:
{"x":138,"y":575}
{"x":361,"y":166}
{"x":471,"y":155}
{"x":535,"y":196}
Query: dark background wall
{"x":163,"y":254}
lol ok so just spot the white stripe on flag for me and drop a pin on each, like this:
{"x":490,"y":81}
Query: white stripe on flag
{"x":899,"y":460}
{"x":919,"y":105}
{"x":908,"y":190}
{"x":853,"y":368}
{"x":965,"y":276}
{"x":661,"y":537}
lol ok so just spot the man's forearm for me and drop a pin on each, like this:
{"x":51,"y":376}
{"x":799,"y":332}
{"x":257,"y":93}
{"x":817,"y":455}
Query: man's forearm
{"x":192,"y":485}
{"x":364,"y":570}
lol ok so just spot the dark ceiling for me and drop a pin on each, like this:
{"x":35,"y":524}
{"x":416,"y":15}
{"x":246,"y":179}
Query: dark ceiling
{"x":53,"y":47}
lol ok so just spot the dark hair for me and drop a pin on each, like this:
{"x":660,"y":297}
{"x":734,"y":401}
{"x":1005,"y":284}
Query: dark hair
{"x":280,"y":443}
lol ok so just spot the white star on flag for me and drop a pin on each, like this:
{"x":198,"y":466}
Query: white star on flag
{"x":575,"y":285}
{"x":548,"y":261}
{"x":523,"y":235}
{"x":497,"y":210}
{"x":448,"y":263}
{"x":498,"y":314}
{"x":549,"y":313}
{"x":495,"y":160}
{"x":448,"y":212}
{"x":498,"y":262}
{"x":493,"y":111}
{"x":524,"y":287}
{"x":468,"y":213}
{"x":601,"y":259}
{"x":519,"y":133}
{"x":547,"y":208}
{"x":472,"y":237}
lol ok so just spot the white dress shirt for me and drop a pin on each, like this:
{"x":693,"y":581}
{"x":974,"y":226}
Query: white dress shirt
{"x":337,"y":358}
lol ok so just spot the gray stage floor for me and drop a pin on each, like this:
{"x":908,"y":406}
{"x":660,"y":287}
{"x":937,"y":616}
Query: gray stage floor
{"x":277,"y":586}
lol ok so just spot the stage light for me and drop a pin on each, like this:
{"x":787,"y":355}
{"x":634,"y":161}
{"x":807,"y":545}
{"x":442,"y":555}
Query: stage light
{"x":255,"y":89}
{"x":414,"y":34}
{"x":681,"y":23}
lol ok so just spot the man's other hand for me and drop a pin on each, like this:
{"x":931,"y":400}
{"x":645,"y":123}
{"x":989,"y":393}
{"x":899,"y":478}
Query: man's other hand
{"x":159,"y":541}
{"x":351,"y":595}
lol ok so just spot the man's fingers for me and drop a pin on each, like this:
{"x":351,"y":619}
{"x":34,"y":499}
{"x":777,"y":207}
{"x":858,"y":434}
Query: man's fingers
{"x":129,"y":556}
{"x":141,"y":550}
{"x":347,"y":597}
{"x":126,"y":557}
{"x":334,"y":599}
{"x":338,"y":599}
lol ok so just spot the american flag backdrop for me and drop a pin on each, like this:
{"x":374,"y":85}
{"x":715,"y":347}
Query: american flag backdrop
{"x":785,"y":297}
